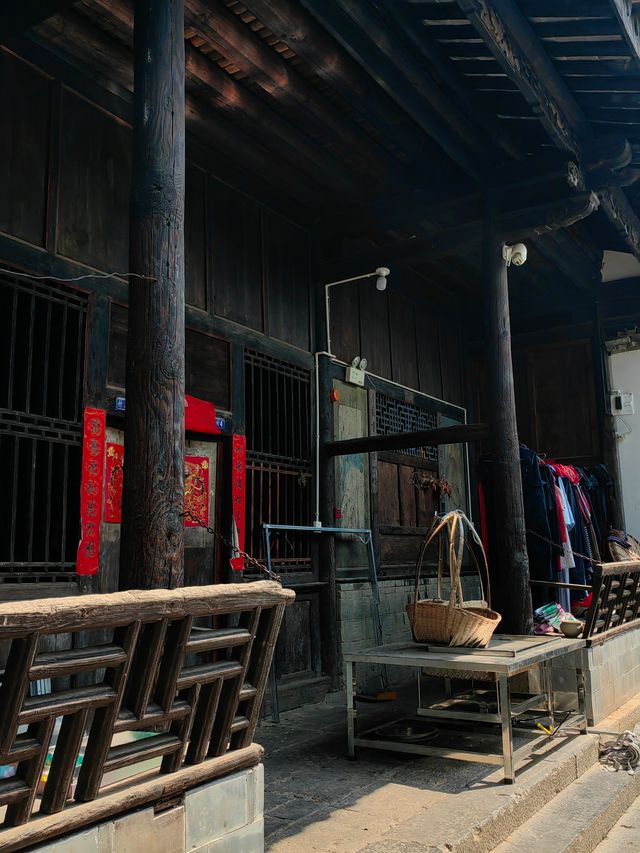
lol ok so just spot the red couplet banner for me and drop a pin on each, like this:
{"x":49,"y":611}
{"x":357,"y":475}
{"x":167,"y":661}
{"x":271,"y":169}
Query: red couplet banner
{"x":91,"y":486}
{"x":113,"y":490}
{"x":238,"y":497}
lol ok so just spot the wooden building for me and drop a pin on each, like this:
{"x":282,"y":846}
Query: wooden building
{"x":324,"y":138}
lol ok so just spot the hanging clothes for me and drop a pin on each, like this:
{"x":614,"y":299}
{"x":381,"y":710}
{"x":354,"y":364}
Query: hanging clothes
{"x":566,"y":560}
{"x":565,"y":516}
{"x":540,"y":516}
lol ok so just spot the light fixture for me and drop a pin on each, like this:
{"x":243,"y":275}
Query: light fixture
{"x":381,"y":281}
{"x":380,"y":275}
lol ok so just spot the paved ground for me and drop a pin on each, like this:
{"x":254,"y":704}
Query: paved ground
{"x":316,"y":799}
{"x":625,"y":835}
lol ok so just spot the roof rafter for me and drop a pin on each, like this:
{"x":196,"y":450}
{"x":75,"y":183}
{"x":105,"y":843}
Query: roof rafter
{"x":18,"y":17}
{"x":512,"y":41}
{"x":401,"y":76}
{"x":628,"y":20}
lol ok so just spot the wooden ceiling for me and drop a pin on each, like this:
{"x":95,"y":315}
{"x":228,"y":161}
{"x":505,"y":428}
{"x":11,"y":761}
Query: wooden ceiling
{"x":382,"y":119}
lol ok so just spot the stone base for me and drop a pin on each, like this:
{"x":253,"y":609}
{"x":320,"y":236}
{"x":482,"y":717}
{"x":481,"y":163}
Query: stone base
{"x":612,"y":675}
{"x":223,"y":816}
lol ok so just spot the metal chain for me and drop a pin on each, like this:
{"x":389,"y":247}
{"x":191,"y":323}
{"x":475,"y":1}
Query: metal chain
{"x":251,"y":560}
{"x":561,"y":547}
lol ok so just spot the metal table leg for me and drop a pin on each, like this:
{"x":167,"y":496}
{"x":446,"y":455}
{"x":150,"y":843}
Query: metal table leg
{"x":547,"y":678}
{"x":350,"y":682}
{"x":448,"y":690}
{"x":507,"y":733}
{"x":582,"y":694}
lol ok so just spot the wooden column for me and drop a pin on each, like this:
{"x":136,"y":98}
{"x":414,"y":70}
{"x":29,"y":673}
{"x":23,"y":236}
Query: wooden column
{"x":610,"y":454}
{"x":511,"y":559}
{"x":152,"y":545}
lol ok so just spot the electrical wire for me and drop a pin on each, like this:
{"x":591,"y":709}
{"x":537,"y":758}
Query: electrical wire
{"x":78,"y":277}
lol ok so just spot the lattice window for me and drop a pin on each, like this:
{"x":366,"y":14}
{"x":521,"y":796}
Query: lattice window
{"x":397,"y":416}
{"x":42,"y":331}
{"x":279,"y":464}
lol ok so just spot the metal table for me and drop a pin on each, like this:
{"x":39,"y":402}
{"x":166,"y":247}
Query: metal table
{"x":505,"y":657}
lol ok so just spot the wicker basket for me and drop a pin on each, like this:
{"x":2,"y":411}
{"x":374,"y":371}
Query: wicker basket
{"x":454,"y":622}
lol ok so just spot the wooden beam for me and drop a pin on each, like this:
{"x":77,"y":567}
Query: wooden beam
{"x":514,"y":44}
{"x":569,"y":259}
{"x":435,"y":57}
{"x":511,"y":226}
{"x":438,"y":12}
{"x":404,"y":79}
{"x":623,"y":218}
{"x":293,"y":26}
{"x":403,"y":440}
{"x":627,"y":18}
{"x":152,"y":537}
{"x":15,"y":18}
{"x":226,"y":96}
{"x":280,"y":79}
{"x":510,"y":560}
{"x":547,"y":175}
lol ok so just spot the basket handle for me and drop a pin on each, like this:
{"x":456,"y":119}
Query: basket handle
{"x":456,"y":550}
{"x":436,"y":527}
{"x":481,"y":566}
{"x":454,"y":521}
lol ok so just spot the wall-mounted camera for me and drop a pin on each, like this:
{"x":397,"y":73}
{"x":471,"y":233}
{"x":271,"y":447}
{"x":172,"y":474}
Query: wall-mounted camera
{"x":516,"y":254}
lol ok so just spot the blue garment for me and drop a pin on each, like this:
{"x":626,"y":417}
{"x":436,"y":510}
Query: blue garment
{"x":539,"y":503}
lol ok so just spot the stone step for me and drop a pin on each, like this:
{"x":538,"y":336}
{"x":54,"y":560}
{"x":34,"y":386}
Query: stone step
{"x":625,"y":835}
{"x":490,"y":811}
{"x":579,"y":817}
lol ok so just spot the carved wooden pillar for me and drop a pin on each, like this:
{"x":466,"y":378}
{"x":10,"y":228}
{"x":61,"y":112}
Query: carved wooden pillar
{"x":510,"y":541}
{"x":152,"y":545}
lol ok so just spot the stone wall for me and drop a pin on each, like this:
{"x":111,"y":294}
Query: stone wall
{"x":612,"y":674}
{"x":611,"y":671}
{"x":224,"y":816}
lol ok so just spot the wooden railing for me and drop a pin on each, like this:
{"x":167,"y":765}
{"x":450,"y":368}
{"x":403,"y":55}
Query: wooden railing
{"x":616,"y":600}
{"x":196,"y":691}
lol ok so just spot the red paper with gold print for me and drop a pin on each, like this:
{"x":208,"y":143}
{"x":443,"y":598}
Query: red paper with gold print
{"x":196,"y":489}
{"x":238,"y":497}
{"x":91,"y":486}
{"x":113,"y":487}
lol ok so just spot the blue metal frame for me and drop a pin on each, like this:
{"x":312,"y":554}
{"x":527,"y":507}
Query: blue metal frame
{"x":373,"y":576}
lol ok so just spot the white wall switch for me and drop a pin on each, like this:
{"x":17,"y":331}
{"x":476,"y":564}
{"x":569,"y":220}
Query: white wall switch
{"x":622,"y":403}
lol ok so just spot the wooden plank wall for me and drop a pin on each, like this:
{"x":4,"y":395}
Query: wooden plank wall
{"x":556,"y":402}
{"x":65,"y":168}
{"x":411,"y":342}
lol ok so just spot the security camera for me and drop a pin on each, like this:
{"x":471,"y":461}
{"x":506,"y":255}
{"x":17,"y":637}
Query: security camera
{"x":516,"y":254}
